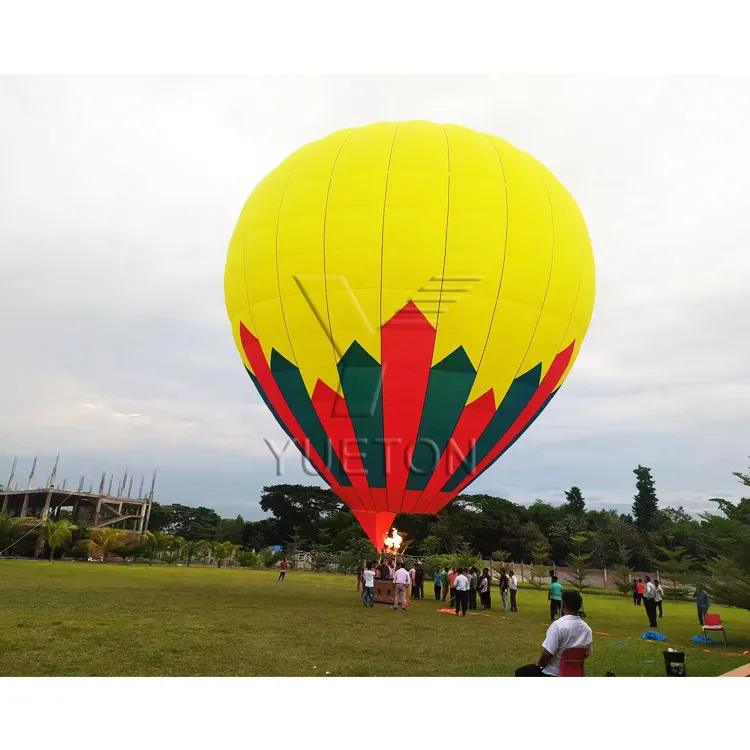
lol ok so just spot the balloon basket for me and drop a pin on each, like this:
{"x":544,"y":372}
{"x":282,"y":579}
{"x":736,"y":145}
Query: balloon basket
{"x":385,"y":591}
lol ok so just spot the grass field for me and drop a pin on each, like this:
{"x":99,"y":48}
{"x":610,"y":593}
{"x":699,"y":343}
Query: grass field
{"x":90,"y":619}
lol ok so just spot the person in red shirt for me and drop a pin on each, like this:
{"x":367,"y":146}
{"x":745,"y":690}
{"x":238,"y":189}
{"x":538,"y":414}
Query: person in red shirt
{"x":452,"y":586}
{"x":640,"y":589}
{"x":282,"y":570}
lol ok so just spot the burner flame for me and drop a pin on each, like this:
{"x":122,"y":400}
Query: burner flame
{"x":393,"y":543}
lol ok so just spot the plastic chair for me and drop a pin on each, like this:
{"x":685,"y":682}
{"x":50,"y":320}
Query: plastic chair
{"x":571,"y":663}
{"x":713,"y":622}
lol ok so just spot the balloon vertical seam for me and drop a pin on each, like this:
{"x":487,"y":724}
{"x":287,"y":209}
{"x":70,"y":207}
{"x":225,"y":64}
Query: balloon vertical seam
{"x":380,"y":315}
{"x":505,"y":253}
{"x":577,"y":297}
{"x":551,"y":270}
{"x":278,"y":273}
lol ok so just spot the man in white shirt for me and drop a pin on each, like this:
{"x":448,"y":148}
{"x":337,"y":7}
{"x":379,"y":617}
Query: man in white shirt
{"x":513,"y":584}
{"x":401,"y":580}
{"x":462,"y":585}
{"x":569,"y":631}
{"x":368,"y":589}
{"x":649,"y":592}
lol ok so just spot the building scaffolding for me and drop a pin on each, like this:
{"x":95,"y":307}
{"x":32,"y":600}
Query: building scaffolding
{"x":95,"y":509}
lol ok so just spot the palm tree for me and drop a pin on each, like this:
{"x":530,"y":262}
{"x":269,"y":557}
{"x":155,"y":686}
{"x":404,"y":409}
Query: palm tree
{"x":57,"y":534}
{"x":193,"y":548}
{"x":108,"y":539}
{"x":156,"y":542}
{"x":174,"y":549}
{"x":224,"y":552}
{"x":8,"y":529}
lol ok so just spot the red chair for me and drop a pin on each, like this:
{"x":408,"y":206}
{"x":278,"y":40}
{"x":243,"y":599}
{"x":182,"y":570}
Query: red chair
{"x":713,"y":622}
{"x":571,"y":663}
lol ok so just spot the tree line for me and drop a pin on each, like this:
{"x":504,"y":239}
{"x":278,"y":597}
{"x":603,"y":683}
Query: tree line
{"x":714,"y":547}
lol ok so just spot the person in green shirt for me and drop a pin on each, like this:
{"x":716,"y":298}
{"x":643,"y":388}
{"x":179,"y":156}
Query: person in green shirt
{"x":437,"y":580}
{"x":555,"y":598}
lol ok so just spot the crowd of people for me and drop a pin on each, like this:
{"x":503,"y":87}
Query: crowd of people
{"x":465,"y":586}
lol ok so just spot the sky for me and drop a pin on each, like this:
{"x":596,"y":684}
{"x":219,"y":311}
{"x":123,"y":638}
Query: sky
{"x":118,"y":197}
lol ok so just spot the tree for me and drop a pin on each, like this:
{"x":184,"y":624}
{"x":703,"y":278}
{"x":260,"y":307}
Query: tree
{"x":107,"y":540}
{"x":645,"y":502}
{"x":540,"y":568}
{"x":57,"y":534}
{"x":10,"y":529}
{"x":223,"y":552}
{"x":674,"y":565}
{"x":230,"y":530}
{"x":578,"y":562}
{"x":575,"y":503}
{"x":192,"y":549}
{"x":298,"y":505}
{"x":269,"y":558}
{"x":185,"y":521}
{"x":501,"y":556}
{"x":155,"y":543}
{"x":728,"y":577}
{"x":248,"y":559}
{"x":430,"y":545}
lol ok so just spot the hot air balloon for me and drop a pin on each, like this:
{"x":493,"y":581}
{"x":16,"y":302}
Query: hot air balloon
{"x":407,"y":298}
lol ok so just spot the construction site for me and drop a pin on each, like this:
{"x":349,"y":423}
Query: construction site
{"x":106,"y":507}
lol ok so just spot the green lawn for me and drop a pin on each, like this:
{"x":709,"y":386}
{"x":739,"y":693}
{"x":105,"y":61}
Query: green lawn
{"x":92,"y":619}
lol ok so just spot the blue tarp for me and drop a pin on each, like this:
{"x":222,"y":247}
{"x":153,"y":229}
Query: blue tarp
{"x":703,"y":639}
{"x":652,"y":635}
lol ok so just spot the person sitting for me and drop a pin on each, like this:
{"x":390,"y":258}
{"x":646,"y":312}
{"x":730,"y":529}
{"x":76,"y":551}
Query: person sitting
{"x":570,"y":631}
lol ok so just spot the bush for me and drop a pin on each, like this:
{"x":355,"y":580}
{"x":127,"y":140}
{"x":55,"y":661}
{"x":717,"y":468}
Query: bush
{"x":269,"y":558}
{"x":248,"y":559}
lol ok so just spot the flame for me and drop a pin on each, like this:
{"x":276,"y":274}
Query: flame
{"x":393,"y":542}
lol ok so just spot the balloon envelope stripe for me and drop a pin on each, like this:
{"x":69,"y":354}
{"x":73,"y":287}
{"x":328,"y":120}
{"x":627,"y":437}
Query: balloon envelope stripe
{"x":536,"y":404}
{"x":292,"y":387}
{"x":361,"y":383}
{"x":448,"y":390}
{"x":407,"y":342}
{"x":334,"y":416}
{"x":257,"y":360}
{"x":516,"y":399}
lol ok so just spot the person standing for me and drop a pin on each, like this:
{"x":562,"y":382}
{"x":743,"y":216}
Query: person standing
{"x":446,"y":583}
{"x":649,"y":592}
{"x":437,"y":582}
{"x":413,"y":581}
{"x":368,"y":585}
{"x":641,"y":589}
{"x":452,"y":585}
{"x":462,"y":586}
{"x":474,"y":577}
{"x":419,"y":580}
{"x":555,"y":598}
{"x":504,"y":584}
{"x":703,"y":602}
{"x":570,"y":631}
{"x":513,"y":585}
{"x":634,"y":589}
{"x":282,"y":570}
{"x":484,"y":589}
{"x":360,"y":571}
{"x":401,"y":580}
{"x":658,"y":596}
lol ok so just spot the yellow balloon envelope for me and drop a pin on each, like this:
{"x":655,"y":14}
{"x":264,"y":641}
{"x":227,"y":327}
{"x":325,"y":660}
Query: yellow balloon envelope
{"x":407,"y":298}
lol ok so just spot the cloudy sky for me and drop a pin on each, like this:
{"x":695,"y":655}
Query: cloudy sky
{"x":118,"y":197}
